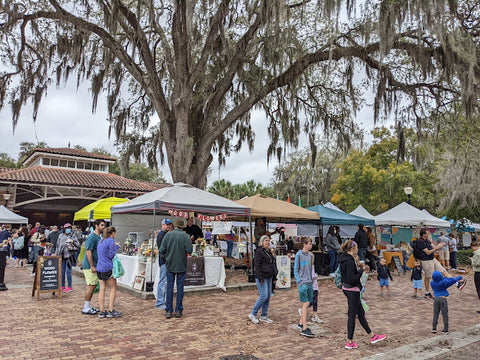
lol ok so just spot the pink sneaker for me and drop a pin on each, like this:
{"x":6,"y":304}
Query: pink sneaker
{"x":351,"y":345}
{"x":376,"y":338}
{"x":68,"y":290}
{"x":63,"y":288}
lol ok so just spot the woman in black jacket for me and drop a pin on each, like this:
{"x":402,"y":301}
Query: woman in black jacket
{"x":351,"y":270}
{"x":264,"y":271}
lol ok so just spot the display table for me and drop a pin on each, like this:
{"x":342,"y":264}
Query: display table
{"x":132,"y":266}
{"x":388,"y":255}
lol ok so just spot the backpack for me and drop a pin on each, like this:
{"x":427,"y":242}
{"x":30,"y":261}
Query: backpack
{"x":19,"y":243}
{"x":417,"y":252}
{"x":338,"y":278}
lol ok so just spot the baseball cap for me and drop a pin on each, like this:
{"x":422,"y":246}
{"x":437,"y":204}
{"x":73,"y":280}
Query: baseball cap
{"x":166,"y":222}
{"x":67,"y":225}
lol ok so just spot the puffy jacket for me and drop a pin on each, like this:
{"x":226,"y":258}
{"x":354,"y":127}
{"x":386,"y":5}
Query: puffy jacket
{"x":264,"y":263}
{"x":350,"y":273}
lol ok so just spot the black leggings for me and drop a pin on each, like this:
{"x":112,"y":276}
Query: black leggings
{"x":476,"y":278}
{"x":355,"y":308}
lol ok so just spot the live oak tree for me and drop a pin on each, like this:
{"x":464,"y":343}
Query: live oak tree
{"x":182,"y":77}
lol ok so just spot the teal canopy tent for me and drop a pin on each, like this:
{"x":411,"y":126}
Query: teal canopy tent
{"x":334,"y":217}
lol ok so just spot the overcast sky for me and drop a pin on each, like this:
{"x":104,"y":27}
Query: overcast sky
{"x":65,"y":116}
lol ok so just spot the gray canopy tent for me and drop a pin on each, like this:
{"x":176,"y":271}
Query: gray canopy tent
{"x":9,"y":217}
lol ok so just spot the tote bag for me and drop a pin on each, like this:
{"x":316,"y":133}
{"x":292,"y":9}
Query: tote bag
{"x":117,"y":268}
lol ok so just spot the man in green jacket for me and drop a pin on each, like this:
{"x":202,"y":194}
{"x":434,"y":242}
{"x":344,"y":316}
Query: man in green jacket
{"x":175,"y":246}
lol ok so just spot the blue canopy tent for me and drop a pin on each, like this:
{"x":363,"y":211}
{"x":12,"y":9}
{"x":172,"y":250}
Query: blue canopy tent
{"x":330,"y":216}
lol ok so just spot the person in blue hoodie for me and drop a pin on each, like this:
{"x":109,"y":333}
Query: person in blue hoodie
{"x":439,"y":286}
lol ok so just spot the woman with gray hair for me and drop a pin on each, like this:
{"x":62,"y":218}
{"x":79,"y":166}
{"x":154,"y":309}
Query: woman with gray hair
{"x":264,"y":271}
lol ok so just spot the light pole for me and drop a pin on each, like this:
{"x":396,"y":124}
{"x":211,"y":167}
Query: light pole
{"x":408,"y":191}
{"x":6,"y":196}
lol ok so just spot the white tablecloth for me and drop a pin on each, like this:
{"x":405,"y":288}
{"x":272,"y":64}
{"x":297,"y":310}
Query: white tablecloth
{"x":214,"y":271}
{"x":214,"y":274}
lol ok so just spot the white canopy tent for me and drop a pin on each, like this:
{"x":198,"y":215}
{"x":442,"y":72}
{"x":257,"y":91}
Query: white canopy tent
{"x":362,"y":212}
{"x":331,"y":206}
{"x":9,"y":217}
{"x":409,"y":216}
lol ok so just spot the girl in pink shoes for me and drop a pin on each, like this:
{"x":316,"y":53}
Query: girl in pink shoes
{"x":352,"y":270}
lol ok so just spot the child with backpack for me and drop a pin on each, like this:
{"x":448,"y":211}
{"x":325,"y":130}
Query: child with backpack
{"x":383,"y":273}
{"x":439,"y":286}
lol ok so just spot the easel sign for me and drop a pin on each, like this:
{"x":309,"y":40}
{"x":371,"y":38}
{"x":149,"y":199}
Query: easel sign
{"x":48,"y":276}
{"x":398,"y":264}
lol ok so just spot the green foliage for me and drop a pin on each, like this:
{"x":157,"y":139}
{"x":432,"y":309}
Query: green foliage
{"x":26,"y":149}
{"x":375,"y":178}
{"x":80,"y":147}
{"x":231,"y":191}
{"x":141,"y":172}
{"x":463,"y":256}
{"x":6,"y":161}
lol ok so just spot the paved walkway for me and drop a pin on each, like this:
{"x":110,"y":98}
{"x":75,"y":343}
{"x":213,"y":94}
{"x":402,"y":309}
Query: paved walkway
{"x":215,"y":325}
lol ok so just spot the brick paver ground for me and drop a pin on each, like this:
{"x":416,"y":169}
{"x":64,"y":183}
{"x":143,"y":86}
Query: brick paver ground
{"x":213,"y":325}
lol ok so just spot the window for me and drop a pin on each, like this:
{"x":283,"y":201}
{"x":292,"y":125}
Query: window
{"x":95,"y":166}
{"x":88,"y":166}
{"x":46,"y":161}
{"x":102,"y":168}
{"x":80,"y":165}
{"x":54,"y":162}
{"x":63,"y":163}
{"x":71,"y":164}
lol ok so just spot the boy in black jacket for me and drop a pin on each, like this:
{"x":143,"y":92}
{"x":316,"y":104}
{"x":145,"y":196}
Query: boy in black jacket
{"x":417,"y":280}
{"x":383,"y":273}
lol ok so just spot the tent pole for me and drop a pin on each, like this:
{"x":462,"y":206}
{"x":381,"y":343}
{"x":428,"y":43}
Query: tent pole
{"x":251,"y":244}
{"x":153,"y":241}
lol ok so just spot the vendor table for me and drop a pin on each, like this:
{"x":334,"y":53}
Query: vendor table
{"x":133,"y":266}
{"x":388,"y":255}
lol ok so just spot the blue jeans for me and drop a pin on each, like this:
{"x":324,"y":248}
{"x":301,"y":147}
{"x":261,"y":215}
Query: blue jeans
{"x":453,"y":259}
{"x":180,"y":284}
{"x":361,"y":253}
{"x":229,"y":248}
{"x":66,"y":269}
{"x":162,"y":283}
{"x":265,"y":291}
{"x":333,"y":255}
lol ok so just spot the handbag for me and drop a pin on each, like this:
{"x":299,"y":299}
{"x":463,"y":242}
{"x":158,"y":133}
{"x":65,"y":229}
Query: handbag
{"x":117,"y":270}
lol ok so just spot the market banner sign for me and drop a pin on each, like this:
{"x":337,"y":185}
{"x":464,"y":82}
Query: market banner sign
{"x":220,"y":217}
{"x":179,"y":213}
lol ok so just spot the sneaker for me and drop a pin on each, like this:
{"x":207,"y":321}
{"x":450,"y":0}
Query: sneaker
{"x":273,"y":294}
{"x":63,"y":288}
{"x":300,"y":326}
{"x":389,"y":295}
{"x":428,"y":296}
{"x":351,"y":345}
{"x":414,"y":296}
{"x":317,"y":319}
{"x":307,"y":332}
{"x":434,"y":331}
{"x":91,"y":311}
{"x":300,"y":312}
{"x":253,"y":318}
{"x":102,"y":314}
{"x":381,"y":294}
{"x":178,"y":315}
{"x":32,"y":275}
{"x":419,"y":297}
{"x":168,"y":315}
{"x":376,"y":338}
{"x":68,"y":290}
{"x":461,"y":284}
{"x":478,"y":311}
{"x":445,"y":332}
{"x":114,"y":314}
{"x":265,"y":319}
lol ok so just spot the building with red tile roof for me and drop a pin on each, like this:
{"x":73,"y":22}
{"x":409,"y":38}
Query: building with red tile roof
{"x":59,"y":181}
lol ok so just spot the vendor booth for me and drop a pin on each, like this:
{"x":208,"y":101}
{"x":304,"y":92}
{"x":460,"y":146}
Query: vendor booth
{"x":274,"y":210}
{"x":9,"y":217}
{"x":99,"y":209}
{"x":362,"y":212}
{"x":143,"y":215}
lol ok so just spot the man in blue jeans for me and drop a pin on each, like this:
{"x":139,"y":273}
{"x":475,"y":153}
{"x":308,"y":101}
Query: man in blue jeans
{"x":175,"y":246}
{"x":167,"y":226}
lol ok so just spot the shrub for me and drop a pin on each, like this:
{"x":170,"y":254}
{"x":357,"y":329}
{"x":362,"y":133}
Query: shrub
{"x":463,"y":256}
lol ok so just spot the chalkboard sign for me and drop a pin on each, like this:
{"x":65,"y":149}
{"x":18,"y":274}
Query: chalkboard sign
{"x":48,"y":275}
{"x":398,"y":264}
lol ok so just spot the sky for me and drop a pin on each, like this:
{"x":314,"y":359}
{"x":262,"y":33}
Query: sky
{"x":65,"y":117}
